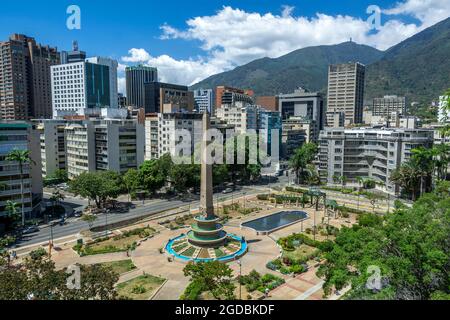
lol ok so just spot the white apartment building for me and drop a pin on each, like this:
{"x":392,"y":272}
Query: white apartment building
{"x":80,"y":147}
{"x":52,"y":144}
{"x":113,"y":85}
{"x":161,"y":132}
{"x":119,"y":145}
{"x":104,"y":144}
{"x":242,"y":117}
{"x":368,"y":152}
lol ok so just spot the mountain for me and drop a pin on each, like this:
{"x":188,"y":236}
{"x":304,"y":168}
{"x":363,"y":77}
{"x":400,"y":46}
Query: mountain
{"x":307,"y":67}
{"x":418,"y":67}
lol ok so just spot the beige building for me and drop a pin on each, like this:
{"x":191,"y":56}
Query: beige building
{"x":25,"y":83}
{"x":346,"y":91}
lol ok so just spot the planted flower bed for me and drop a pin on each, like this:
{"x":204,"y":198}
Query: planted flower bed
{"x":298,"y":249}
{"x":254,"y":281}
{"x":120,"y":243}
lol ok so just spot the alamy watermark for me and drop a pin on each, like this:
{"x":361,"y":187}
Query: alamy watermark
{"x":74,"y":277}
{"x":73,"y":21}
{"x":374,"y":280}
{"x":374,"y":19}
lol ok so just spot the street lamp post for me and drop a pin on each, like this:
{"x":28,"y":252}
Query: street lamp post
{"x":239,"y":262}
{"x":50,"y":244}
{"x":106,"y":222}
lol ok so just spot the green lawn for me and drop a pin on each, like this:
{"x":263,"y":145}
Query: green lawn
{"x":121,"y":266}
{"x":120,"y":243}
{"x":139,"y":288}
{"x":301,"y":252}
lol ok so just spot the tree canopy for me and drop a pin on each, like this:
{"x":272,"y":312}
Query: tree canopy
{"x":409,"y":246}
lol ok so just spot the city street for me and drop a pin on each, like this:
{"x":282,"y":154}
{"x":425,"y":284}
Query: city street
{"x":74,"y":225}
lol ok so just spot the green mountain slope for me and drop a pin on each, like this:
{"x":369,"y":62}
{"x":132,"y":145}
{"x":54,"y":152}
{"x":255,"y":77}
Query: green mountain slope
{"x":307,"y":67}
{"x":418,"y":68}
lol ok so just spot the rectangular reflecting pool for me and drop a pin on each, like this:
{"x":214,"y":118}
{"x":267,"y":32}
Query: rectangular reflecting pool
{"x":275,"y":221}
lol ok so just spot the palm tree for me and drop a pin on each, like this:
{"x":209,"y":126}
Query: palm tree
{"x":22,"y":157}
{"x":56,"y":197}
{"x":422,"y":159}
{"x":441,"y":156}
{"x":301,"y":158}
{"x":11,"y":208}
{"x":407,"y":177}
{"x":343,"y":180}
{"x":360,"y":181}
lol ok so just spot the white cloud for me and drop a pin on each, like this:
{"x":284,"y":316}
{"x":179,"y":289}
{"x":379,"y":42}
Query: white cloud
{"x":428,"y":12}
{"x":137,"y":55}
{"x":233,"y":37}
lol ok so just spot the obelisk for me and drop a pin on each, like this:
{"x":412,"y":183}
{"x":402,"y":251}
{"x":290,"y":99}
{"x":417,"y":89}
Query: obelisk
{"x":206,"y":188}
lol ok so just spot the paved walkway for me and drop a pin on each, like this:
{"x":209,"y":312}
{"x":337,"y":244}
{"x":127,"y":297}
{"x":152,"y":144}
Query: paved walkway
{"x":306,"y":286}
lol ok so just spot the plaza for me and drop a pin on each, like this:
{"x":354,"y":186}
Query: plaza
{"x":150,"y":258}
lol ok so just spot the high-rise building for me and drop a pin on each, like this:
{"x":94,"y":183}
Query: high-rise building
{"x":16,"y":135}
{"x":136,"y":77}
{"x":368,"y":152}
{"x":346,"y":91}
{"x":159,"y":97}
{"x":76,"y":55}
{"x":204,"y":100}
{"x":79,"y":86}
{"x":53,"y":145}
{"x":25,"y":85}
{"x":388,"y":105}
{"x":309,"y":106}
{"x":228,"y":96}
{"x":112,"y":65}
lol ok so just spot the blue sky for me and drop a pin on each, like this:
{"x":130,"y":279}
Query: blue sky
{"x":223,"y":35}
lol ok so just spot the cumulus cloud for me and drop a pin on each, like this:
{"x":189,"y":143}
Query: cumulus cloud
{"x":233,"y":37}
{"x":428,"y":12}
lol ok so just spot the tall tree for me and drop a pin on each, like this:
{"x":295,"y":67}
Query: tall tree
{"x":302,"y":157}
{"x":97,"y":186}
{"x":22,"y":157}
{"x":213,"y":276}
{"x":132,"y":181}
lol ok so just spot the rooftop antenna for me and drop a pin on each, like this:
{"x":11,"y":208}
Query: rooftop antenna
{"x":351,"y":39}
{"x":75,"y":45}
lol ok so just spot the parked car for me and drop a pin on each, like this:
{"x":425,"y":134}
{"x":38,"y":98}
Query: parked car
{"x":30,"y":229}
{"x":227,"y":190}
{"x":78,"y":214}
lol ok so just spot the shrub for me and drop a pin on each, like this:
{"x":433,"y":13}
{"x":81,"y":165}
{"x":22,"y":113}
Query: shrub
{"x":284,"y":270}
{"x":138,"y":290}
{"x":193,"y":291}
{"x":263,"y":197}
{"x":297,"y":269}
